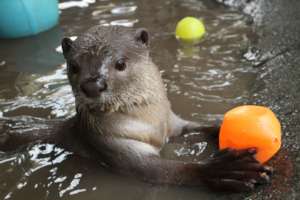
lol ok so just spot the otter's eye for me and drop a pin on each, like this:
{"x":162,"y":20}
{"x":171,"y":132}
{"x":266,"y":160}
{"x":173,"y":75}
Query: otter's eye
{"x":74,"y":68}
{"x":120,"y":65}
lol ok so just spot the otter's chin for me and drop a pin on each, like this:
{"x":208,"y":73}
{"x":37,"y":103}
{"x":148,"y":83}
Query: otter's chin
{"x":87,"y":105}
{"x":94,"y":108}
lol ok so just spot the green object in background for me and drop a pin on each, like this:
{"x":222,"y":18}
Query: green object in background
{"x":19,"y":18}
{"x":190,"y":29}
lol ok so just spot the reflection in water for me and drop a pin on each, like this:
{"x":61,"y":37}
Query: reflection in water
{"x":80,"y":4}
{"x":124,"y":22}
{"x":203,"y":81}
{"x":122,"y":10}
{"x":32,"y":54}
{"x":2,"y":63}
{"x":196,"y":149}
{"x":42,"y":96}
{"x":19,"y":168}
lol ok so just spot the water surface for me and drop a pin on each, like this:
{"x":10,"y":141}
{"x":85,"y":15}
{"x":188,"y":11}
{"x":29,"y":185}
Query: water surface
{"x":203,"y":82}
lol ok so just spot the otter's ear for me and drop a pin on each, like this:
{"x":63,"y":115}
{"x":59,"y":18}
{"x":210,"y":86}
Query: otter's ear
{"x":142,"y":35}
{"x":67,"y":45}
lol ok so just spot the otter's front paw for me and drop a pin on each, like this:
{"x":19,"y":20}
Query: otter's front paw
{"x":235,"y":170}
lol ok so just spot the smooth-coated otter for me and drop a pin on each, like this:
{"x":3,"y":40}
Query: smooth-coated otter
{"x":125,"y":114}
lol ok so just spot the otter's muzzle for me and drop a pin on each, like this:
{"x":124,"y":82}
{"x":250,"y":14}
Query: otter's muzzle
{"x":93,"y":87}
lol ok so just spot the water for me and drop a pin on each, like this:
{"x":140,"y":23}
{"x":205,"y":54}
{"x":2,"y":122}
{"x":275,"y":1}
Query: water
{"x":203,"y":82}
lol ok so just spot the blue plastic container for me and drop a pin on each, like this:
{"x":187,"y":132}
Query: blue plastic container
{"x":19,"y":18}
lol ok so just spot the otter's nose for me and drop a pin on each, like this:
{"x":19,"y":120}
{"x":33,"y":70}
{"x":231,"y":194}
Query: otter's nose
{"x":93,"y":88}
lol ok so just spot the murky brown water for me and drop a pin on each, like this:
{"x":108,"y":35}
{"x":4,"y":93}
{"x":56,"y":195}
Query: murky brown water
{"x":203,"y":82}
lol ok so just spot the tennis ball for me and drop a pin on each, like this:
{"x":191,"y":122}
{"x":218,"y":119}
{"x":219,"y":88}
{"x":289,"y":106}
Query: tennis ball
{"x":189,"y":29}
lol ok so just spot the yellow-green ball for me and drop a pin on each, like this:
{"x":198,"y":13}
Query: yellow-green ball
{"x":190,"y":28}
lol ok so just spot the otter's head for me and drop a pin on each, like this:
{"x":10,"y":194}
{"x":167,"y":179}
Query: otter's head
{"x":109,"y":69}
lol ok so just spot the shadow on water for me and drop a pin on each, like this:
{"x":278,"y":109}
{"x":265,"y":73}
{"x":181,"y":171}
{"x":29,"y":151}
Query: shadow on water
{"x":202,"y":81}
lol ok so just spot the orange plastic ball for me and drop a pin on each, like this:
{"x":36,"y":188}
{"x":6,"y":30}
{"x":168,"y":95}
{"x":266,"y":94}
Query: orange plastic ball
{"x":251,"y":126}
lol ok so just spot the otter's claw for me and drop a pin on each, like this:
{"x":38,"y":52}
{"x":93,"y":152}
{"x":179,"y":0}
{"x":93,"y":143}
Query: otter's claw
{"x":236,"y":170}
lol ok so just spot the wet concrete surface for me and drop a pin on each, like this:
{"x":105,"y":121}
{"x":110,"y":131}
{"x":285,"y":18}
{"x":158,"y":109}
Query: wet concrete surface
{"x":276,"y":54}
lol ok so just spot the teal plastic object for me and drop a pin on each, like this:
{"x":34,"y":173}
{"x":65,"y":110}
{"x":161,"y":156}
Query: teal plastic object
{"x":19,"y":18}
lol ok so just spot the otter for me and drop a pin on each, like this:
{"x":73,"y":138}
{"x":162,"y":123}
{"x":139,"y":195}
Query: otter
{"x":124,"y":115}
